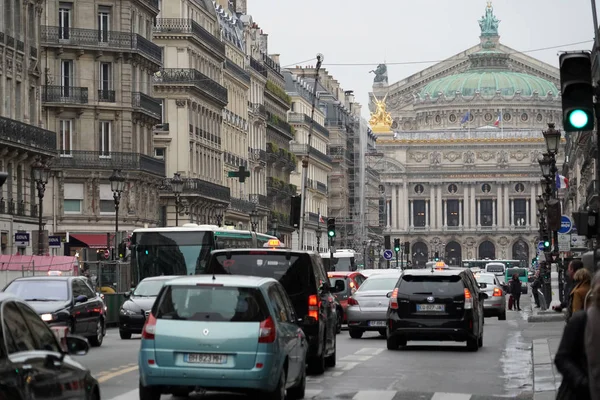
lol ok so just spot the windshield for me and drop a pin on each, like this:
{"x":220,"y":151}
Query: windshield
{"x":494,"y":268}
{"x":489,"y":279}
{"x":209,"y":303}
{"x":379,"y":283}
{"x":343,"y":264}
{"x":170,"y":253}
{"x":43,"y":290}
{"x":148,"y":288}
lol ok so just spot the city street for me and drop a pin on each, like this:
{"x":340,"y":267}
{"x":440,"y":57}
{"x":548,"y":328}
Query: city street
{"x":422,"y":371}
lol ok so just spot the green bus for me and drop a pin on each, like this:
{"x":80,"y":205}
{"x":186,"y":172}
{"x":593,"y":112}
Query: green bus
{"x":482,"y":263}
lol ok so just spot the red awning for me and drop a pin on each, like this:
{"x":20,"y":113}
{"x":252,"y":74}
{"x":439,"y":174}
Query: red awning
{"x":93,"y":240}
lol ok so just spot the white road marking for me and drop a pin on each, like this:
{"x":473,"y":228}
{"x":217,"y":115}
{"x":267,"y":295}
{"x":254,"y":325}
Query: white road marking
{"x":372,"y":394}
{"x":309,"y":394}
{"x":371,"y":351}
{"x":354,"y":357}
{"x":349,"y":366}
{"x":450,"y":396}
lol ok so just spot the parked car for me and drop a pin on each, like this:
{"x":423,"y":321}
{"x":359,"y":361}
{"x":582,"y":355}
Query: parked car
{"x":223,"y":333}
{"x":346,"y":283}
{"x":64,"y":301}
{"x":495,"y":304}
{"x":367,"y":308}
{"x":138,"y":303}
{"x":436,"y":305}
{"x":304,"y":279}
{"x":29,"y":347}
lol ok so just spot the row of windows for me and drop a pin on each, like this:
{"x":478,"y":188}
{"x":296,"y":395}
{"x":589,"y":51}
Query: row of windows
{"x":13,"y":106}
{"x":66,"y":132}
{"x":74,"y":197}
{"x":11,"y":20}
{"x":488,"y":117}
{"x":485,"y":188}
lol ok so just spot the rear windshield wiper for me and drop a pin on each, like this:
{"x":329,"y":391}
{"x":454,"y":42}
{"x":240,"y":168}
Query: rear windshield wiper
{"x":423,"y":293}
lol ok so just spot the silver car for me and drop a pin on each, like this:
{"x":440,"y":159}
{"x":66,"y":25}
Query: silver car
{"x":495,"y":304}
{"x":367,"y":308}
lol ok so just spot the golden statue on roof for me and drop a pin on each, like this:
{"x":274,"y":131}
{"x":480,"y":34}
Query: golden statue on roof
{"x":381,"y":120}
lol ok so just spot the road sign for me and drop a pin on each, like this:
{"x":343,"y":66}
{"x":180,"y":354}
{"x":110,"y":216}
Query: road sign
{"x":54,"y":241}
{"x":22,"y":239}
{"x":565,"y":224}
{"x":388,"y":254}
{"x":564,"y":242}
{"x":540,"y":247}
{"x":106,"y":254}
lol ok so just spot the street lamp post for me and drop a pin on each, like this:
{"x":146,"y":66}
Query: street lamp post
{"x":365,"y":244}
{"x":41,"y":174}
{"x":275,"y":226}
{"x":177,"y":188}
{"x":254,"y":220}
{"x":117,"y":184}
{"x":319,"y":232}
{"x":219,"y":216}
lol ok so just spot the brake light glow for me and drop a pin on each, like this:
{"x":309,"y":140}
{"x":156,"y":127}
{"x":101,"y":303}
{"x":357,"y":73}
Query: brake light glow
{"x":394,"y":299}
{"x":497,"y":292}
{"x":267,"y":331}
{"x":149,"y":328}
{"x":313,"y":307}
{"x":352,"y":301}
{"x":468,"y":300}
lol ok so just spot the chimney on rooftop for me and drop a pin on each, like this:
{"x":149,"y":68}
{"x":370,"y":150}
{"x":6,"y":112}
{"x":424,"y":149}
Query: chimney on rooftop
{"x":275,"y":58}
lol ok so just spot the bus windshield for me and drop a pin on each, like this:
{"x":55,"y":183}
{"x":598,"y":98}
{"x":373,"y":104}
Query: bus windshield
{"x":170,"y":253}
{"x":343,"y":264}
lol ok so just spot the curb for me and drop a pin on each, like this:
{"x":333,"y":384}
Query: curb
{"x":546,"y":317}
{"x":544,"y":378}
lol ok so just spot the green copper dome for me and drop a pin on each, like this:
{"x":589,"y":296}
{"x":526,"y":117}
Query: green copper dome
{"x":488,"y":82}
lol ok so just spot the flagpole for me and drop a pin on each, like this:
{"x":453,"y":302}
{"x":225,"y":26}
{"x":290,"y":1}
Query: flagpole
{"x":501,"y":122}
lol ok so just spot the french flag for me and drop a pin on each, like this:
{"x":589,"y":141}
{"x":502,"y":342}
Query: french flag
{"x":499,"y":119}
{"x":321,"y":220}
{"x":561,"y":182}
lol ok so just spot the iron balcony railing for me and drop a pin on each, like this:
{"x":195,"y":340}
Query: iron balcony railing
{"x":190,"y":76}
{"x":274,"y":120}
{"x":152,"y":3}
{"x":269,"y":62}
{"x":321,"y":187}
{"x":18,"y":207}
{"x":147,"y":103}
{"x":241,"y":205}
{"x":258,"y":67}
{"x":20,"y":46}
{"x":106,"y":96}
{"x":81,"y":159}
{"x":257,"y":155}
{"x":77,"y":37}
{"x":33,"y":52}
{"x":17,"y":133}
{"x":195,"y":186}
{"x":299,"y":118}
{"x":237,"y":71}
{"x":260,"y":199}
{"x":65,"y":94}
{"x":187,"y":25}
{"x":302,"y":149}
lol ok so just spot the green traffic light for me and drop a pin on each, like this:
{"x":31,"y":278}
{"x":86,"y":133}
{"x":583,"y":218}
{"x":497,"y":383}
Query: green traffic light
{"x":546,"y":244}
{"x":331,"y":233}
{"x":578,"y":119}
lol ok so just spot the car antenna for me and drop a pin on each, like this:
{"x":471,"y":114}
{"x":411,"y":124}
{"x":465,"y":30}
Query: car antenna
{"x":214,"y":277}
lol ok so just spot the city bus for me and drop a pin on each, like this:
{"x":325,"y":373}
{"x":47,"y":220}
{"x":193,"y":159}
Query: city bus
{"x":344,"y":260}
{"x":184,"y":250}
{"x":482,"y":263}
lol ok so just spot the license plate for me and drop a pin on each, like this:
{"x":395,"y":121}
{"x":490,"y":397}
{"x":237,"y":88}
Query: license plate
{"x":431,"y":307}
{"x":196,"y":358}
{"x":376,"y":323}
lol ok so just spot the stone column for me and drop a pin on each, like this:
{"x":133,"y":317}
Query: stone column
{"x":493,"y":213}
{"x":426,"y":213}
{"x":439,"y":211}
{"x":478,"y":213}
{"x":411,"y":216}
{"x":500,"y":205}
{"x":466,"y":206}
{"x":401,"y":207}
{"x":394,"y":207}
{"x":431,"y":220}
{"x":388,"y":210}
{"x":473,"y":208}
{"x":406,"y":208}
{"x":506,"y":207}
{"x":460,"y":213}
{"x":533,"y":207}
{"x":527,"y":213}
{"x":444,"y":213}
{"x":512,"y":212}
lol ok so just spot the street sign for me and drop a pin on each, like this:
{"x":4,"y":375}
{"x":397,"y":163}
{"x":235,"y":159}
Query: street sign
{"x":540,"y":247}
{"x":22,"y":239}
{"x":106,"y":254}
{"x":564,"y":242}
{"x":565,"y":224}
{"x":54,"y":241}
{"x":388,"y":254}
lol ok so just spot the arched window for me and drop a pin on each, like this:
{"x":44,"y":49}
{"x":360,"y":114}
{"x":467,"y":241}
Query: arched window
{"x":420,"y":254}
{"x":520,"y":250}
{"x":487,"y":250}
{"x":453,"y":253}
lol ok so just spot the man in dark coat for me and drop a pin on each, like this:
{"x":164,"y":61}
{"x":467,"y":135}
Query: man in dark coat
{"x":574,"y":266}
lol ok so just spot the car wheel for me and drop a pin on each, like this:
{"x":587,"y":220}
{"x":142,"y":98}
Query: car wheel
{"x":95,"y":395}
{"x":181,"y":392}
{"x":330,"y":360}
{"x":383,"y":332}
{"x":149,"y":393}
{"x":392,"y":343}
{"x":355,"y":333}
{"x":480,"y":341}
{"x":340,"y":317}
{"x":316,"y":365}
{"x":472,"y":344}
{"x":125,"y":335}
{"x":502,"y":316}
{"x":279,"y":392}
{"x":98,"y":338}
{"x":298,"y":392}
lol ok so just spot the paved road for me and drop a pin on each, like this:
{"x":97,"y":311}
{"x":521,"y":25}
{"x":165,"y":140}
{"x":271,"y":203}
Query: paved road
{"x":437,"y":371}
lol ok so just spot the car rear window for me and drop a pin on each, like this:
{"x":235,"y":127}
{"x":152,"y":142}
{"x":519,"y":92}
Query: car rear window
{"x":212,"y":303}
{"x":494,"y":268}
{"x":387,"y":283}
{"x":485,"y":279}
{"x":519,"y":271}
{"x":431,"y":284}
{"x":334,"y":281}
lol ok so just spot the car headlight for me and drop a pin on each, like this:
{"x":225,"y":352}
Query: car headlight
{"x":47,"y":317}
{"x":126,"y":311}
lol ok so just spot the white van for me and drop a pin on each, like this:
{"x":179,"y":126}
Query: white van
{"x":345,"y":260}
{"x":496,"y":268}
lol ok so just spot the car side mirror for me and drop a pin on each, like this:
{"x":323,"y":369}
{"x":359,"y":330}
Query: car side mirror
{"x":127,"y":294}
{"x":388,"y":295}
{"x":482,"y":285}
{"x":483,"y":296}
{"x":77,"y":346}
{"x":81,"y":299}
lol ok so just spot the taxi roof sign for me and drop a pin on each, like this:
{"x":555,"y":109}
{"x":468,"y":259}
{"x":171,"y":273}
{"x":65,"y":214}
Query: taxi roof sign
{"x":273,"y":243}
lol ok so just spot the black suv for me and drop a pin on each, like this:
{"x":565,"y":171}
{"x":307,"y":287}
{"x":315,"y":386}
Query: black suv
{"x":434,"y":304}
{"x":303,"y":276}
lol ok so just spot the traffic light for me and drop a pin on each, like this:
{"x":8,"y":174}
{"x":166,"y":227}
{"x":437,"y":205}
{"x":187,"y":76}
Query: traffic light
{"x":331,"y":227}
{"x":122,"y":250}
{"x":554,"y":214}
{"x":406,"y":247}
{"x":295,"y":204}
{"x":546,"y":241}
{"x":437,"y":256}
{"x":396,"y":245}
{"x":577,"y":91}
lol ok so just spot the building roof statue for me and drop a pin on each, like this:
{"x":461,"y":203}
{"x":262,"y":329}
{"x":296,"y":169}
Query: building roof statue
{"x":380,"y":74}
{"x":381,"y":120}
{"x":489,"y":22}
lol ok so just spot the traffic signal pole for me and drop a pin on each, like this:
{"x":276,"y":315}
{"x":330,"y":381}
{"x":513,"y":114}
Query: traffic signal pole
{"x":397,"y":264}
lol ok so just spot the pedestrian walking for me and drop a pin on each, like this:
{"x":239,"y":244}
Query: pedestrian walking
{"x":515,"y":291}
{"x":581,"y":279}
{"x":592,"y":337}
{"x":536,"y":285}
{"x":574,"y":266}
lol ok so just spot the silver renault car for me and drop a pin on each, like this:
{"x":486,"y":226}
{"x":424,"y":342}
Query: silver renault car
{"x":495,"y":304}
{"x":367,"y":308}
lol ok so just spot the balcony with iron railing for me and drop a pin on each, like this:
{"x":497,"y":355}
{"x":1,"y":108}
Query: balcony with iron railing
{"x":56,"y":36}
{"x":193,"y":77}
{"x":146,"y":104}
{"x":237,"y":71}
{"x":260,"y":199}
{"x":302,"y":149}
{"x":278,"y":187}
{"x":258,"y":67}
{"x":81,"y":159}
{"x":298,"y":118}
{"x":189,"y":26}
{"x":241,"y":205}
{"x":200,"y":187}
{"x":257,"y":155}
{"x":64,"y":95}
{"x":321,"y":187}
{"x":280,"y":125}
{"x":17,"y":134}
{"x":106,"y":96}
{"x":18,"y":207}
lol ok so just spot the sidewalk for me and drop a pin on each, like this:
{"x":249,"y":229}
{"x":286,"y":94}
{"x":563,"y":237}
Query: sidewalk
{"x":549,"y":315}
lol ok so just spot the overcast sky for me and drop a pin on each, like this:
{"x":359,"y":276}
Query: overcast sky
{"x":397,"y":31}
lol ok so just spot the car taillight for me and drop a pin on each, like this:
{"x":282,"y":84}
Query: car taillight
{"x":497,"y":292}
{"x":352,"y":301}
{"x":394,"y":299}
{"x":267,"y":331}
{"x":313,"y":307}
{"x":149,"y":328}
{"x":468,"y":300}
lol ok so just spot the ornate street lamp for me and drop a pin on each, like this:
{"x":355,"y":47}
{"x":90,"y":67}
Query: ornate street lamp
{"x":319,"y":232}
{"x":41,"y":174}
{"x":274,"y":226}
{"x":552,"y":138}
{"x":117,"y":185}
{"x":546,"y":165}
{"x":177,"y":188}
{"x":539,"y":202}
{"x":219,"y":211}
{"x":254,"y":219}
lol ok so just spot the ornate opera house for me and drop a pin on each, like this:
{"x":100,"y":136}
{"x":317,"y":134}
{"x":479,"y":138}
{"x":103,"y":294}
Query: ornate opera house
{"x":460,"y":143}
